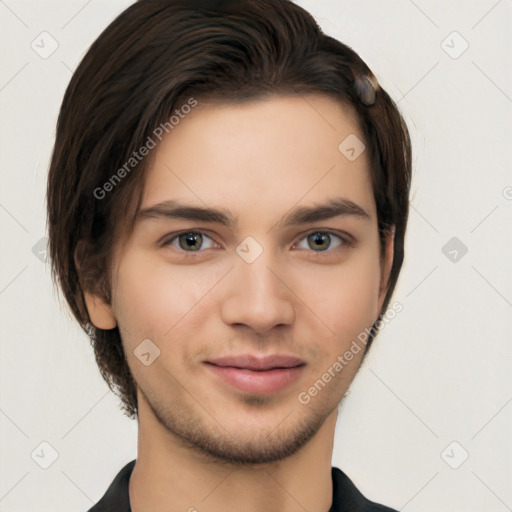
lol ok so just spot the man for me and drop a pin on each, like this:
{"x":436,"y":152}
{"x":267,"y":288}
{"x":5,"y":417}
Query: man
{"x":227,"y":204}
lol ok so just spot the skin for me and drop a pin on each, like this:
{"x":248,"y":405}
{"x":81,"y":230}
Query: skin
{"x":203,"y":444}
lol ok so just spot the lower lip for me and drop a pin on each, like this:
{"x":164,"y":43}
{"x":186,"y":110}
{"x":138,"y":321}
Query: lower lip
{"x":267,"y":381}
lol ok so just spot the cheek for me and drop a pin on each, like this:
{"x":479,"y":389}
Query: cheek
{"x":154,"y":299}
{"x":345,"y":297}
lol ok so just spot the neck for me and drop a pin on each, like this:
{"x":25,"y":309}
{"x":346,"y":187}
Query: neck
{"x":171,"y":476}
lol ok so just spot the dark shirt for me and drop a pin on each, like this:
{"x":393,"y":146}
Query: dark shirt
{"x":346,"y":497}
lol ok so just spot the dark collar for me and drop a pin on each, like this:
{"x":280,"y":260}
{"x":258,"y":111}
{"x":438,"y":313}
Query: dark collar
{"x":346,"y":496}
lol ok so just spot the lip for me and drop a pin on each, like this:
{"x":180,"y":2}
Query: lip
{"x":258,"y":363}
{"x":253,"y":374}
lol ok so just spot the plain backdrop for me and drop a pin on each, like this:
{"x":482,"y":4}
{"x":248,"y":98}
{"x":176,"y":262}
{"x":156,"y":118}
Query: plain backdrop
{"x":426,"y":425}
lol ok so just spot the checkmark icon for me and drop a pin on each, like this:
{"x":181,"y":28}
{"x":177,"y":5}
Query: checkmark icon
{"x":45,"y":45}
{"x":44,"y":455}
{"x":454,"y":249}
{"x":454,"y":45}
{"x":351,"y":147}
{"x":249,"y":249}
{"x":40,"y":248}
{"x":455,"y":455}
{"x":146,"y":352}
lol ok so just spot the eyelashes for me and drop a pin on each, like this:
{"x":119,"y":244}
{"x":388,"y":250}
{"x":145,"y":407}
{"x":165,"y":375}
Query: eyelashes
{"x":186,"y":239}
{"x":192,"y":242}
{"x":319,"y":237}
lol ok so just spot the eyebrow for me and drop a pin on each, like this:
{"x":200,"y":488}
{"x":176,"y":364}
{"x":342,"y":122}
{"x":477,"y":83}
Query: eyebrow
{"x":172,"y":209}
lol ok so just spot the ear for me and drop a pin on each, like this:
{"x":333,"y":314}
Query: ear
{"x":386,"y":265}
{"x":100,"y":312}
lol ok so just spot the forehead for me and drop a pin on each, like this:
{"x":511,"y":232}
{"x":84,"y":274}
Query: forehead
{"x":269,"y":154}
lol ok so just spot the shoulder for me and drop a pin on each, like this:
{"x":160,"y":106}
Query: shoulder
{"x":348,"y":498}
{"x":116,"y":498}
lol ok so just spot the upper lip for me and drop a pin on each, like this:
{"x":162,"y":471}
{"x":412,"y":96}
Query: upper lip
{"x":258,"y":363}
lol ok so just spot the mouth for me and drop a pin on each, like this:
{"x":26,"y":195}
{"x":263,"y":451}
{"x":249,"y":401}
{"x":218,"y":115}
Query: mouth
{"x":255,"y":374}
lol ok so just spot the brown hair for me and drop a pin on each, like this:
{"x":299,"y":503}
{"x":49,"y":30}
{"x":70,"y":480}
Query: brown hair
{"x":144,"y":65}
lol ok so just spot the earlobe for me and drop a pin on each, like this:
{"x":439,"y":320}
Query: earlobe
{"x":99,"y":310}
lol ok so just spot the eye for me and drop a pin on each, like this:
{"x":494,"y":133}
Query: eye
{"x":197,"y":241}
{"x":190,"y":241}
{"x":321,"y":241}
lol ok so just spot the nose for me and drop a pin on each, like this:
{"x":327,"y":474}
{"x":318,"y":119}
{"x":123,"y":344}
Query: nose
{"x":257,"y":295}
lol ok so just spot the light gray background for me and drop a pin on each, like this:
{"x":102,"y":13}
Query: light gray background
{"x":438,"y":373}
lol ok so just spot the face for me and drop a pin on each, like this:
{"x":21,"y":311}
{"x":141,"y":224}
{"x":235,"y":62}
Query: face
{"x":254,"y":264}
